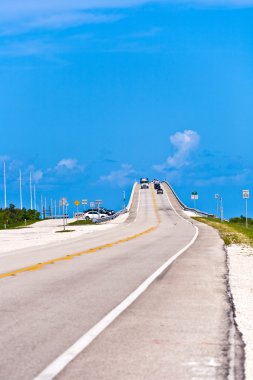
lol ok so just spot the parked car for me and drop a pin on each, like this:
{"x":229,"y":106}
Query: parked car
{"x":90,"y":215}
{"x":101,"y":210}
{"x":159,"y":191}
{"x":144,"y":186}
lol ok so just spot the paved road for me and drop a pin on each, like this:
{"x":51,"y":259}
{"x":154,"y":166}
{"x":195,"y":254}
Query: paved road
{"x":178,"y":329}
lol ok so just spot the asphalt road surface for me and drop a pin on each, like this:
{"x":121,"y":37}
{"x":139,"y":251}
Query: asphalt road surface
{"x":179,"y":328}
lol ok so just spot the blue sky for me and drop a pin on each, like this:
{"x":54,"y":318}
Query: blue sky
{"x":94,"y":96}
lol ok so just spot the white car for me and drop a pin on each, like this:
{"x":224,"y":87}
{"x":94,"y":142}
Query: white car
{"x":94,"y":215}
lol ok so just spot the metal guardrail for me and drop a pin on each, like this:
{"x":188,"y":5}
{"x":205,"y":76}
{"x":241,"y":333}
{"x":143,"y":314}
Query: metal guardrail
{"x":111,"y":217}
{"x":120,"y":212}
{"x":186,"y":208}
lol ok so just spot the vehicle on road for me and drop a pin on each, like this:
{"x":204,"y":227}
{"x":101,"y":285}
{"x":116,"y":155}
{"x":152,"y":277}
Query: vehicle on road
{"x":144,"y":186}
{"x":159,"y":191}
{"x":94,"y":215}
{"x":156,"y":184}
{"x":143,"y":180}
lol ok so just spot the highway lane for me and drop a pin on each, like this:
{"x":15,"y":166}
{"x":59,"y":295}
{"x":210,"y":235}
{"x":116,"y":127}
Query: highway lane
{"x":44,"y":312}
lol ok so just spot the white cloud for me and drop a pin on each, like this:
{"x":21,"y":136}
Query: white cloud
{"x":184,"y":143}
{"x":37,"y":175}
{"x":120,"y":177}
{"x":4,"y":158}
{"x":238,"y":178}
{"x":67,"y":163}
{"x":15,"y":9}
{"x":23,"y":16}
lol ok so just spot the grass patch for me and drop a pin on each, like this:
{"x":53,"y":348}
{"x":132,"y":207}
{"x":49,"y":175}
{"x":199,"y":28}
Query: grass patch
{"x":15,"y":226}
{"x":231,"y":232}
{"x":80,"y":223}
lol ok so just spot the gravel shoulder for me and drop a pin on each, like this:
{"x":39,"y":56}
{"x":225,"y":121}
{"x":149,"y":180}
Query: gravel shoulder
{"x":240,"y":262}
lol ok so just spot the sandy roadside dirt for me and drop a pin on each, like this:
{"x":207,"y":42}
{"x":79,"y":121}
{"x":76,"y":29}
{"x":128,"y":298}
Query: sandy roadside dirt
{"x":44,"y":232}
{"x":240,"y":261}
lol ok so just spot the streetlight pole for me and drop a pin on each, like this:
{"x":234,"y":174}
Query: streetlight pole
{"x":221,"y":210}
{"x":245,"y":195}
{"x":216,"y":196}
{"x":5,"y":199}
{"x":20,"y":190}
{"x":124,"y":200}
{"x":31,"y":193}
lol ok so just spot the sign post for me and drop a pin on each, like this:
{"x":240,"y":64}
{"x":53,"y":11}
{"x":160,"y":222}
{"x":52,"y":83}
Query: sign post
{"x":194,"y":197}
{"x":77,"y":203}
{"x":63,"y":203}
{"x":245,"y":195}
{"x":216,"y":196}
{"x":98,"y":203}
{"x":84,"y":203}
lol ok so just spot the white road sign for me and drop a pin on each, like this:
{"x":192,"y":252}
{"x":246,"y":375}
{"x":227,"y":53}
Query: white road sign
{"x":245,"y":194}
{"x":63,"y":201}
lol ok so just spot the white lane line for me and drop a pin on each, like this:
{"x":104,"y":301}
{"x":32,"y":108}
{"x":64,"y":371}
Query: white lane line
{"x":180,"y":216}
{"x":63,"y":360}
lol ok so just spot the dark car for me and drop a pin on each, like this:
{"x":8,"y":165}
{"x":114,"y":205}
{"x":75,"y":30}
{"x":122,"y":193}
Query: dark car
{"x":159,"y":191}
{"x":143,"y":180}
{"x":157,"y":184}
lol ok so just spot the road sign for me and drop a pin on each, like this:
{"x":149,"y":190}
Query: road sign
{"x":245,"y":194}
{"x":92,"y":204}
{"x":84,"y":202}
{"x":63,"y":202}
{"x":98,"y":202}
{"x":216,"y":196}
{"x":77,"y":203}
{"x":194,"y":195}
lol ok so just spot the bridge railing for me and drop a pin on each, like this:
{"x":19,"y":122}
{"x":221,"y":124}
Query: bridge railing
{"x":186,"y":208}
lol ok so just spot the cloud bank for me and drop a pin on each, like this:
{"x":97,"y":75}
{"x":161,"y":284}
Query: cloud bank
{"x":184,"y":144}
{"x":121,"y":177}
{"x":22,"y":16}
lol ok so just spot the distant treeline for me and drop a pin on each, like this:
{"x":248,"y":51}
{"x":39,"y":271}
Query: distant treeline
{"x":14,"y":217}
{"x":241,"y":220}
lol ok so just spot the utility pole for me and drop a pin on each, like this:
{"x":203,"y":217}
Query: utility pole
{"x":5,"y":199}
{"x":31,"y":193}
{"x":41,"y":206}
{"x":45,"y":207}
{"x":20,"y":189}
{"x":34,"y":195}
{"x":221,"y":210}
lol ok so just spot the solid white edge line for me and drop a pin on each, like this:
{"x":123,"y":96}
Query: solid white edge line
{"x":63,"y":360}
{"x":131,"y":197}
{"x":180,"y":216}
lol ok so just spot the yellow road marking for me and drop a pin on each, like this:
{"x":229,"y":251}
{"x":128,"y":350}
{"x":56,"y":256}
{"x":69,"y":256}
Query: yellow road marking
{"x":90,"y":250}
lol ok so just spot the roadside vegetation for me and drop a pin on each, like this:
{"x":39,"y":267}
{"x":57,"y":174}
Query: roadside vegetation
{"x":13,"y":217}
{"x":80,"y":222}
{"x":233,"y":231}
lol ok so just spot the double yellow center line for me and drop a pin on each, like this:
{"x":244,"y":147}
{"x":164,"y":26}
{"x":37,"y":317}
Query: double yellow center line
{"x":88,"y":251}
